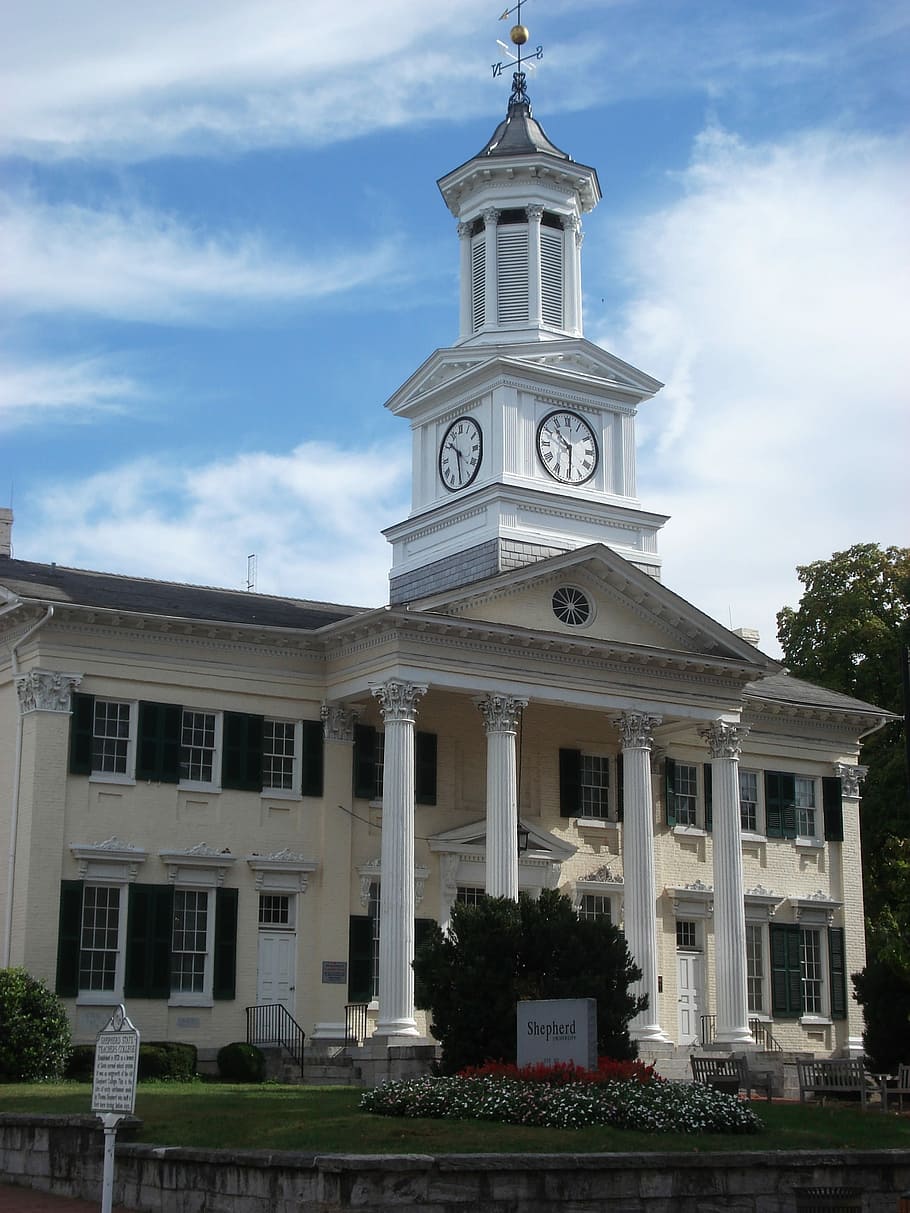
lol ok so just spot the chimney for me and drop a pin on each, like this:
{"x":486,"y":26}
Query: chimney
{"x":6,"y":532}
{"x":750,"y":635}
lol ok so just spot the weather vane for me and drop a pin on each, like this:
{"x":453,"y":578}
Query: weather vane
{"x":518,"y":36}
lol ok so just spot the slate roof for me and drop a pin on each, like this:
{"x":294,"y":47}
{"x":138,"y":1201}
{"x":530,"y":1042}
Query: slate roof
{"x":518,"y":134}
{"x":52,"y":583}
{"x":785,"y":689}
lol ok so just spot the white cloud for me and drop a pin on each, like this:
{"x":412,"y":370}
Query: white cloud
{"x":311,"y":516}
{"x":772,"y":300}
{"x":31,"y":391}
{"x":133,"y":263}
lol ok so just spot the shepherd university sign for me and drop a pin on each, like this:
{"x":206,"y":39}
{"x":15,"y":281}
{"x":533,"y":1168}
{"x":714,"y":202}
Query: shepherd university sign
{"x":558,"y":1030}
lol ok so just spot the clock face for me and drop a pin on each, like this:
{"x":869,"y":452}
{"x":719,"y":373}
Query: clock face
{"x":460,"y":453}
{"x":567,"y":447}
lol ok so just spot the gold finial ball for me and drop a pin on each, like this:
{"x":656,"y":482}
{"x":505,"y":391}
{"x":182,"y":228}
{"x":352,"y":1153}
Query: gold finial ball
{"x":519,"y":34}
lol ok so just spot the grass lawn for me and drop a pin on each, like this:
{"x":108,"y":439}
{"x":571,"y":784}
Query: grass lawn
{"x":327,"y":1120}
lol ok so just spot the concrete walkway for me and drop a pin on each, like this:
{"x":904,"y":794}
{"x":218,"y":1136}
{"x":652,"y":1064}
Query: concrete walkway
{"x":27,"y":1200}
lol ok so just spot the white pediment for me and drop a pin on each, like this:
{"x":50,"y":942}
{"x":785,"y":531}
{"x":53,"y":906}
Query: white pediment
{"x":471,"y":839}
{"x":620,"y":604}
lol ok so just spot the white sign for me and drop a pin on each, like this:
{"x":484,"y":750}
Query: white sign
{"x":555,"y":1031}
{"x":116,"y":1066}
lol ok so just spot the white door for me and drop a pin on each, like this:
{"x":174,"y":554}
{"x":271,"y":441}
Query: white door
{"x":689,"y":991}
{"x":277,"y":957}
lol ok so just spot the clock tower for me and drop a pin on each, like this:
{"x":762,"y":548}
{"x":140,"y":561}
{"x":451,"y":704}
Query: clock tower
{"x":523,"y":431}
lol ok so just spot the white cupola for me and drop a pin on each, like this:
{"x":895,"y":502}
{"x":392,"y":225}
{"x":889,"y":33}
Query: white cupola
{"x":519,"y":203}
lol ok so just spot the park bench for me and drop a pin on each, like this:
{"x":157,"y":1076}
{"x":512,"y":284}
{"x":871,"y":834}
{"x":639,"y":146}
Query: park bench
{"x":899,"y":1086}
{"x":840,"y":1076}
{"x":731,"y":1074}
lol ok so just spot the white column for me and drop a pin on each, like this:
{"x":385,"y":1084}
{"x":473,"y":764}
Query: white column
{"x":398,"y":703}
{"x":571,"y":256}
{"x":535,"y":299}
{"x":640,"y":917}
{"x":501,"y":714}
{"x":491,"y":269}
{"x":466,"y":318}
{"x":851,"y":893}
{"x":724,"y":743}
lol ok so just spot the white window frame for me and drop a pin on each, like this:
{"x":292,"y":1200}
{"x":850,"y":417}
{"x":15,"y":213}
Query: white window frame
{"x":129,"y":775}
{"x":821,"y":979}
{"x":594,"y":912}
{"x":468,"y":894}
{"x":810,"y":836}
{"x":758,"y":949}
{"x":696,"y":797}
{"x":293,"y":792}
{"x":204,"y":785}
{"x":697,"y":943}
{"x":115,"y":994}
{"x":758,"y":828}
{"x":610,"y":812}
{"x":201,"y":997}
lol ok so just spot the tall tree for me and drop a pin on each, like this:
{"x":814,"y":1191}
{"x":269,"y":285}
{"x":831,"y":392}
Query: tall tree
{"x":851,"y":633}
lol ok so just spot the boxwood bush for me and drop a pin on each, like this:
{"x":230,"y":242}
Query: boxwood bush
{"x":167,"y":1059}
{"x":240,"y":1062}
{"x":35,"y":1038}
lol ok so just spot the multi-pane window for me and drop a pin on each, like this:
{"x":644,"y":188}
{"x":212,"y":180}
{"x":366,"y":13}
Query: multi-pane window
{"x":810,"y":959}
{"x":748,"y":800}
{"x":373,"y":912}
{"x":686,"y":933}
{"x":804,"y":801}
{"x":111,"y":737}
{"x":379,"y":758}
{"x":197,"y":746}
{"x":755,"y":968}
{"x":278,"y":754}
{"x":189,"y":946}
{"x":685,"y":795}
{"x":469,"y":895}
{"x":275,"y":910}
{"x":595,"y":786}
{"x":100,"y":938}
{"x":595,"y":905}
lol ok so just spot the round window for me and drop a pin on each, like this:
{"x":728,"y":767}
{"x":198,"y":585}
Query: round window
{"x":571,"y":606}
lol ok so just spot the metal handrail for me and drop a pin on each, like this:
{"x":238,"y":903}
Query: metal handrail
{"x":355,"y":1023}
{"x":273,"y":1024}
{"x":761,"y":1033}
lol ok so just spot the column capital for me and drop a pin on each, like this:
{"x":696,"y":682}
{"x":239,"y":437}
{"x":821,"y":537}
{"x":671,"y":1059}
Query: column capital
{"x":338,"y":722}
{"x":46,"y":691}
{"x":636,"y":729}
{"x":724,"y":740}
{"x":535,"y":212}
{"x":398,"y":700}
{"x":490,"y":216}
{"x":571,"y":223}
{"x":501,"y":713}
{"x":851,"y":776}
{"x":464,"y":230}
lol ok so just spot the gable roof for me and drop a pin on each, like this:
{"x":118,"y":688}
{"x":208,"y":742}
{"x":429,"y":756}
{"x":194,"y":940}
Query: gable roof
{"x":54,"y":584}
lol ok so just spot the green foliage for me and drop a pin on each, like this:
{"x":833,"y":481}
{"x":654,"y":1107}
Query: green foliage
{"x":499,"y":952}
{"x":171,"y":1059}
{"x":81,"y":1064}
{"x":240,"y":1062}
{"x":34,"y":1029}
{"x":884,"y":995}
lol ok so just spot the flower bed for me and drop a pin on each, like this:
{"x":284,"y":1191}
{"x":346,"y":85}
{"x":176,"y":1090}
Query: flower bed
{"x":566,"y":1098}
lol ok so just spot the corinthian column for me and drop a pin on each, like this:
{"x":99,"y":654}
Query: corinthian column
{"x":501,"y":714}
{"x":724,"y":743}
{"x":398,"y":704}
{"x":638,"y":865}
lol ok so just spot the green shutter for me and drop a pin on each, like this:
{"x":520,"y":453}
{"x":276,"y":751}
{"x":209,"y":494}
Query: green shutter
{"x":148,"y":941}
{"x":422,"y":928}
{"x":364,"y":761}
{"x":709,"y":809}
{"x":312,"y":763}
{"x":833,"y":803}
{"x":82,"y":728}
{"x":425,"y":768}
{"x":670,"y":790}
{"x":620,"y":808}
{"x":158,"y":751}
{"x":780,"y":815}
{"x":68,"y":936}
{"x":569,"y":783}
{"x":224,"y":964}
{"x":786,"y":974}
{"x":241,"y":763}
{"x":360,"y":958}
{"x":837,"y":969}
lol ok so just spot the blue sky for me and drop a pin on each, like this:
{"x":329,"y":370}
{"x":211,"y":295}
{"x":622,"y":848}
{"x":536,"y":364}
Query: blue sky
{"x":223,"y":248}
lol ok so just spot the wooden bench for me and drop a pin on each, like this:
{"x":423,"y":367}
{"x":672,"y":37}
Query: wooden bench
{"x":841,"y":1076}
{"x":900,"y":1087}
{"x":731,"y":1074}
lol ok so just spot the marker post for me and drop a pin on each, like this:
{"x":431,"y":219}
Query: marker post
{"x":114,"y":1087}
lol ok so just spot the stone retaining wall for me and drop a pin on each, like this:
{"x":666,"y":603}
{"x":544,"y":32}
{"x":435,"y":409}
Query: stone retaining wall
{"x":63,"y":1154}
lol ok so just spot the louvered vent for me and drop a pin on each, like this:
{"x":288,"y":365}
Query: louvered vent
{"x":552,"y":291}
{"x":478,"y":267}
{"x":512,"y":273}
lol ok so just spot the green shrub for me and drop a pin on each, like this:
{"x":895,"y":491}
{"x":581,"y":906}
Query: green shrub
{"x":240,"y":1062}
{"x":81,"y":1065}
{"x":34,"y":1030}
{"x":170,"y":1059}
